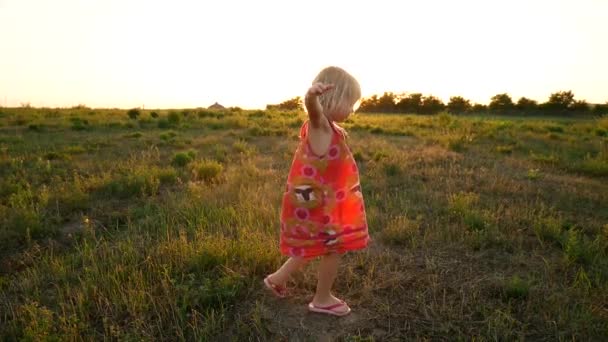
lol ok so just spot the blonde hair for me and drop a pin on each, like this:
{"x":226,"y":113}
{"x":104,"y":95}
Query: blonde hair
{"x":346,"y":92}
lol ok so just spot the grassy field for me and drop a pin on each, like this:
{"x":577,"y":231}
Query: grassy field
{"x":162,"y":227}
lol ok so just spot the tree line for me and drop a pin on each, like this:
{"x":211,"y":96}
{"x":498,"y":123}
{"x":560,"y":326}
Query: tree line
{"x":559,"y":103}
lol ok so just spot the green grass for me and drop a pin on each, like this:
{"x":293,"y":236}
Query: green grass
{"x":160,"y":226}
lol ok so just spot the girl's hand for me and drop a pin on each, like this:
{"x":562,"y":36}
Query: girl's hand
{"x":319,"y":89}
{"x":313,"y":106}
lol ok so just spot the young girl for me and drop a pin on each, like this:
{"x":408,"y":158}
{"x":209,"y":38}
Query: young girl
{"x":323,"y":213}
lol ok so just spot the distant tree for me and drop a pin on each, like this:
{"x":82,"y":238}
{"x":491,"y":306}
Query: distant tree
{"x":431,"y":105}
{"x":580,"y":107}
{"x":479,"y":108}
{"x":526,"y":105}
{"x":459,"y":105}
{"x":562,"y":98}
{"x":411,"y":103}
{"x":291,"y":104}
{"x":501,"y":104}
{"x":133,"y":113}
{"x":382,"y":104}
{"x":559,"y":102}
{"x":368,"y":105}
{"x":601,"y":109}
{"x":386,"y":103}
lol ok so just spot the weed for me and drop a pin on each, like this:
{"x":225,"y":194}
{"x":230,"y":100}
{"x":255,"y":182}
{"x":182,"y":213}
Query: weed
{"x":401,"y":231}
{"x":207,"y":170}
{"x":173,"y":118}
{"x":516,"y":288}
{"x":182,"y":159}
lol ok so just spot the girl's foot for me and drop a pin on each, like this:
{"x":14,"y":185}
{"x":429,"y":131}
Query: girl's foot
{"x":279,"y":290}
{"x":332,"y":306}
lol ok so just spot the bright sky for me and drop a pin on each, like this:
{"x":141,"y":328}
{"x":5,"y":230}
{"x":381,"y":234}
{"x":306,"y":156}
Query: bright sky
{"x":128,"y":53}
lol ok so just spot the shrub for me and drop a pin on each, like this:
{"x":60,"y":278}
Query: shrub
{"x":137,"y":184}
{"x":462,"y":205}
{"x":581,"y":249}
{"x":53,"y":155}
{"x":548,"y":229}
{"x":38,"y":320}
{"x":207,"y":170}
{"x":80,"y":125}
{"x":203,"y":113}
{"x":593,"y":166}
{"x":35,"y":127}
{"x":173,"y":118}
{"x":133,"y":113}
{"x":164,"y":124}
{"x":533,"y":174}
{"x":167,"y":136}
{"x":516,"y":288}
{"x":445,"y":119}
{"x":376,"y":130}
{"x":182,"y":159}
{"x":69,"y":198}
{"x":554,"y":128}
{"x":242,"y":147}
{"x":167,"y":176}
{"x":24,"y":215}
{"x":392,"y":169}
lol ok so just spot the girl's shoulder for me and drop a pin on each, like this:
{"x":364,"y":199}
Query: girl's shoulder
{"x":340,"y":130}
{"x":304,"y":129}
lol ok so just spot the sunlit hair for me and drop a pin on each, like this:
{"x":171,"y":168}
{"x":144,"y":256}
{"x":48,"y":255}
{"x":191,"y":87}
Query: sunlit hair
{"x":346,"y":92}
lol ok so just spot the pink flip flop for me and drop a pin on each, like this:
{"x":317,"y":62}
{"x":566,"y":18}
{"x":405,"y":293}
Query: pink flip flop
{"x":329,"y":309}
{"x":278,"y":290}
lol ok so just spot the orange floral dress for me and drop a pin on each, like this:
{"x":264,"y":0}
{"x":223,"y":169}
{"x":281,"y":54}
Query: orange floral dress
{"x":322,"y":208}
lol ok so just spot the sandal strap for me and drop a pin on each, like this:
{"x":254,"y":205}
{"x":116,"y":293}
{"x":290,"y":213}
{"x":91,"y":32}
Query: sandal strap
{"x":330,"y":307}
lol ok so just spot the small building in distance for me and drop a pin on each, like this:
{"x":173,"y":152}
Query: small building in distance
{"x":216,"y":106}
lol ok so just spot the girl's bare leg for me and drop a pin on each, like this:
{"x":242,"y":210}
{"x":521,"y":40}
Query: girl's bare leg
{"x":292,"y":264}
{"x":327,"y":272}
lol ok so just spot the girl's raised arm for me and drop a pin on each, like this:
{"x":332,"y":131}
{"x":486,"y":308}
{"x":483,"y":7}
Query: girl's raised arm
{"x":313,"y":106}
